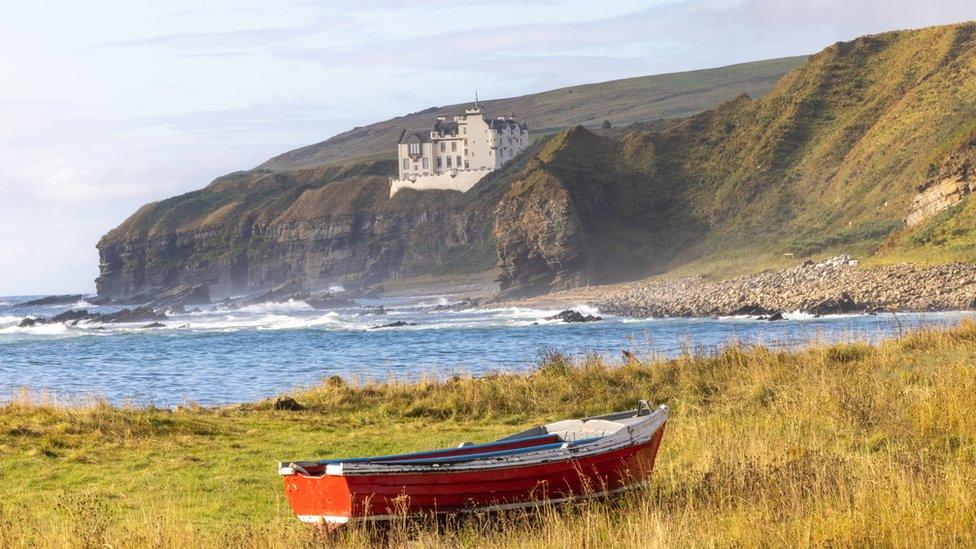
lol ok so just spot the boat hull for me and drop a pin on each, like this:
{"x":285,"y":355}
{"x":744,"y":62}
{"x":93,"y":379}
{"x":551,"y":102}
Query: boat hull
{"x":340,"y":498}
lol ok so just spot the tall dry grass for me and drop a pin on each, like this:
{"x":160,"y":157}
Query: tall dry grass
{"x":842,"y":445}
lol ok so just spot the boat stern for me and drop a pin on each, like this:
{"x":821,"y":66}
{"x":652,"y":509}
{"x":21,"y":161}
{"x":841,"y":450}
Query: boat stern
{"x":318,"y":497}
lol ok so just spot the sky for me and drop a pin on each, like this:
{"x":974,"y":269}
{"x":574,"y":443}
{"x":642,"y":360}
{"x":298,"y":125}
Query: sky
{"x":108,"y":104}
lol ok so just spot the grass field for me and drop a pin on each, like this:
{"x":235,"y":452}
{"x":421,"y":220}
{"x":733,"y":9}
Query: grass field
{"x":834,"y":445}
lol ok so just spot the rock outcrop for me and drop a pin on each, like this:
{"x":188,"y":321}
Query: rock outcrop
{"x":954,"y":180}
{"x":310,"y":229}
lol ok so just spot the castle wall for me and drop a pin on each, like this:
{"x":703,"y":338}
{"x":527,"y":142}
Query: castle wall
{"x":461,"y":181}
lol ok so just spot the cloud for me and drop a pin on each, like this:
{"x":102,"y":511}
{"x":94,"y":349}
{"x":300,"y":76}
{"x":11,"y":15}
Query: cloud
{"x":61,"y":181}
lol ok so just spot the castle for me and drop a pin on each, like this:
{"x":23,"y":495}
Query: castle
{"x":455,"y":154}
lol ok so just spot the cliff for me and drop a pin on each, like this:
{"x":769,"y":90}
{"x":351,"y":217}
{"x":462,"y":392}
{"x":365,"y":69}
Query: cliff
{"x":313,"y":227}
{"x":829,"y":161}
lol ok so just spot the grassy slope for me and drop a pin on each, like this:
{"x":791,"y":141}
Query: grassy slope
{"x":826,"y":162}
{"x":620,"y":101}
{"x":843,"y":445}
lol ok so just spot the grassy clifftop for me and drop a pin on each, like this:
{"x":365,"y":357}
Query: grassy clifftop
{"x":235,"y":199}
{"x":620,"y":101}
{"x":838,"y":445}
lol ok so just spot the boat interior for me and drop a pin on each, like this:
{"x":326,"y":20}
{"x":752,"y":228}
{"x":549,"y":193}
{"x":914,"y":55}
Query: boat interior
{"x":551,"y":436}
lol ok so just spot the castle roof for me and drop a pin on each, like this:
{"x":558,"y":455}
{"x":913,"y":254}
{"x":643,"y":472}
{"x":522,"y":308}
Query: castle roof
{"x":501,"y":123}
{"x":410,"y":136}
{"x":446,"y":126}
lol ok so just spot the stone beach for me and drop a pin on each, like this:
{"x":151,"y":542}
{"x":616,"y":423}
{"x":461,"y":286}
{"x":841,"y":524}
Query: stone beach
{"x":835,"y":286}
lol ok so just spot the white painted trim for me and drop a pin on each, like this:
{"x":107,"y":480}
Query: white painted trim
{"x":334,"y":469}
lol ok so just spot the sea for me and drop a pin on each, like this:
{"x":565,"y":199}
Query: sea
{"x":218,"y":355}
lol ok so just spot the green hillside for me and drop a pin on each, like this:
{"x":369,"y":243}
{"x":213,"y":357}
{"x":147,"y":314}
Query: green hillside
{"x":828,"y":160}
{"x":621,"y":102}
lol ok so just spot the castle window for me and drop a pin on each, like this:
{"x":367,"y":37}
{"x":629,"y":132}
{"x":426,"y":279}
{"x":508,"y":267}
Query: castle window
{"x":406,"y":163}
{"x":443,"y":146}
{"x":453,"y":146}
{"x":448,"y":161}
{"x":458,"y":162}
{"x":465,"y":164}
{"x":415,"y":148}
{"x":424,"y":161}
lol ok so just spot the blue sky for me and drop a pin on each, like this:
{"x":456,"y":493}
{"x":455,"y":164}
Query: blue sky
{"x":108,"y":104}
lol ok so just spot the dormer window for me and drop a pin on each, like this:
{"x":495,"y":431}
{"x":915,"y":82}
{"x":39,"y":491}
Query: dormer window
{"x":415,"y":148}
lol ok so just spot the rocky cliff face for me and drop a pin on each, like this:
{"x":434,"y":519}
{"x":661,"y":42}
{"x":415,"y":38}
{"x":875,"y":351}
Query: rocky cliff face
{"x":827,"y":162}
{"x":315,"y":227}
{"x":540,"y":241}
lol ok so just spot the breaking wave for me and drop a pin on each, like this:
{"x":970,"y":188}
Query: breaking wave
{"x":290,"y":306}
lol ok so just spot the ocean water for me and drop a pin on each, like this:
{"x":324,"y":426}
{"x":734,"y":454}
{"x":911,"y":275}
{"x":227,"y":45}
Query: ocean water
{"x":221,"y":356}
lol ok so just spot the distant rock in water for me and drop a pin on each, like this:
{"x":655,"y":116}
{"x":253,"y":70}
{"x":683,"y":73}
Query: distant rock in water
{"x":155,"y":325}
{"x":397,"y":324}
{"x":70,"y":316}
{"x":751,"y":310}
{"x":54,"y":300}
{"x":570,"y":315}
{"x":329,"y":301}
{"x":138,"y":314}
{"x":840,"y":305}
{"x":773,"y":317}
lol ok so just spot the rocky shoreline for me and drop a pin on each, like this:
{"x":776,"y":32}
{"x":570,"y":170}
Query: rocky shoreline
{"x":838,"y":285}
{"x":835,"y":286}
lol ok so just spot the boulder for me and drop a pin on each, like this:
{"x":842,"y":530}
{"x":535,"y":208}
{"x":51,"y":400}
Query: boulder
{"x":842,"y":304}
{"x":751,"y":310}
{"x":571,"y":315}
{"x":287,"y":404}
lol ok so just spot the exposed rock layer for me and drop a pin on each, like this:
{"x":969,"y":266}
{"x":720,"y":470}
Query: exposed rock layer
{"x":314,"y":228}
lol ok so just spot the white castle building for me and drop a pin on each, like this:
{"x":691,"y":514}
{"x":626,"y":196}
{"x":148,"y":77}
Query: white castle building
{"x":456,"y":154}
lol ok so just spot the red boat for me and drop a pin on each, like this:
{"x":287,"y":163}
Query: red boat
{"x":566,"y":460}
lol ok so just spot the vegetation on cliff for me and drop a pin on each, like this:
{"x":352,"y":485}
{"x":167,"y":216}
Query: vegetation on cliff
{"x":844,"y":444}
{"x":828,"y":161}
